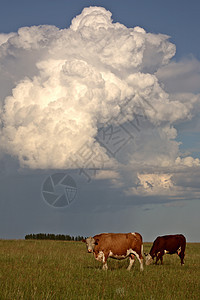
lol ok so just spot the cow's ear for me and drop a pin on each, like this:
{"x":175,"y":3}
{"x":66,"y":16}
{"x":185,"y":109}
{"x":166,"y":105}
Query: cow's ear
{"x":96,"y":241}
{"x":83,"y":240}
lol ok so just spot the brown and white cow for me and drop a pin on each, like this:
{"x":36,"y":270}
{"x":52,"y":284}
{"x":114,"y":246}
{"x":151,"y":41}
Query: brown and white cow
{"x":116,"y":245}
{"x":167,"y":244}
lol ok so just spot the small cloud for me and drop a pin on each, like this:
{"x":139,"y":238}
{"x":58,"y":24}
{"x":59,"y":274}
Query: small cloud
{"x":187,"y":161}
{"x":154,"y":181}
{"x":107,"y":174}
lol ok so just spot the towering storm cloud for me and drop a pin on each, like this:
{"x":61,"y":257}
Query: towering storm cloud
{"x":58,"y":86}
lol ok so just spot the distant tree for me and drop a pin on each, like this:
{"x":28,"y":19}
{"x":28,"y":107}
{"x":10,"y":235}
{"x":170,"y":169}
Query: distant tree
{"x":68,"y":238}
{"x":52,"y":236}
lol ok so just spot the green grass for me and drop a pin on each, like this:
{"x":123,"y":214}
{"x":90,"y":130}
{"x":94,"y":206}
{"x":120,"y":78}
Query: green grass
{"x":64,"y":270}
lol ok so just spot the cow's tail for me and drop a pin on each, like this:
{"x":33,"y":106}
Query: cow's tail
{"x":142,"y":248}
{"x":182,"y":250}
{"x":142,"y":258}
{"x":183,"y":244}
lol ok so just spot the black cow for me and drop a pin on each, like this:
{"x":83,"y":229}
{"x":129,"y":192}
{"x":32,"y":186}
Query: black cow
{"x":167,"y":244}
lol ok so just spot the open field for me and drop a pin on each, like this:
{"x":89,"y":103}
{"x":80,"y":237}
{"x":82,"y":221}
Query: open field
{"x":64,"y":270}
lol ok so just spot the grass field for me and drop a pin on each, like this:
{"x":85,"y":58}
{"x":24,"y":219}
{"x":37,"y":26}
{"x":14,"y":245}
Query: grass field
{"x":64,"y":270}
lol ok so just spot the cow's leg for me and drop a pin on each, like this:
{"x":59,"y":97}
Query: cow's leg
{"x":105,"y":266}
{"x":157,"y":258}
{"x":105,"y":257}
{"x":140,"y":259}
{"x":181,"y":255}
{"x":160,"y":256}
{"x":132,"y":260}
{"x":161,"y":260}
{"x":141,"y":262}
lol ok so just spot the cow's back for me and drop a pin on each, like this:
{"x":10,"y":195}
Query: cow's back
{"x":169,"y":243}
{"x":118,"y":243}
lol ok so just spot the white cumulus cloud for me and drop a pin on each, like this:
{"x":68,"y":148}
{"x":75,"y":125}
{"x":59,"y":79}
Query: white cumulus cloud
{"x":59,"y":85}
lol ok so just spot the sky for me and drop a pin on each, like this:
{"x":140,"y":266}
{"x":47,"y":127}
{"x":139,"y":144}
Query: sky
{"x":99,"y":118}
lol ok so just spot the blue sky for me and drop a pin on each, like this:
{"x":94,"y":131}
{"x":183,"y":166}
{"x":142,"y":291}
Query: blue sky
{"x":109,"y":99}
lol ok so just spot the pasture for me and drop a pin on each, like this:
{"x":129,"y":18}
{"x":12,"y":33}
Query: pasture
{"x":64,"y":270}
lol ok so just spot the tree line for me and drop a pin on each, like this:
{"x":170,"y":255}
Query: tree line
{"x":51,"y":236}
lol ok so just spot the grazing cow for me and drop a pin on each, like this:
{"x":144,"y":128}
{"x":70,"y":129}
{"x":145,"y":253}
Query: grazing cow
{"x":116,"y":245}
{"x":167,"y":244}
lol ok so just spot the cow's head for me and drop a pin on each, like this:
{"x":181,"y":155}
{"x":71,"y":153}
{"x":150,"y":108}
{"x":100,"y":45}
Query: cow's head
{"x":90,"y":243}
{"x":149,"y":259}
